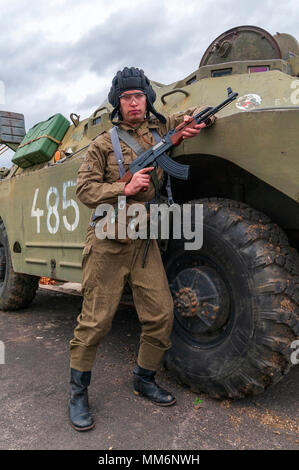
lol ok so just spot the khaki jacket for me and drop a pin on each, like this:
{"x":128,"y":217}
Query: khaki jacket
{"x":98,"y":174}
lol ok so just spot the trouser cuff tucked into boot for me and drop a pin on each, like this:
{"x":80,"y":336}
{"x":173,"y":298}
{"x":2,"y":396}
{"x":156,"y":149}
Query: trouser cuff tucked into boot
{"x":145,"y":385}
{"x":79,"y":412}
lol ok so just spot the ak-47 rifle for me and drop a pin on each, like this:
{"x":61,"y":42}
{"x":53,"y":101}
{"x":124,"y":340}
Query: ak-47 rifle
{"x":156,"y":155}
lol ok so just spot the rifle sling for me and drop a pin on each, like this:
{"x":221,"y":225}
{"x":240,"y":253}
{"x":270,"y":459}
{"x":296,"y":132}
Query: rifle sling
{"x":135,"y":146}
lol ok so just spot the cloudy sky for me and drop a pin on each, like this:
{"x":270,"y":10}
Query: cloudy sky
{"x":60,"y":55}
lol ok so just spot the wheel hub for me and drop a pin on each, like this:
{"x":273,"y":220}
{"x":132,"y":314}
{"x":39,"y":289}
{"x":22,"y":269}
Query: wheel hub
{"x":201,"y":299}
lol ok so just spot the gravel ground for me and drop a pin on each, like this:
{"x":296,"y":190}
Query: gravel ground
{"x":34,"y":393}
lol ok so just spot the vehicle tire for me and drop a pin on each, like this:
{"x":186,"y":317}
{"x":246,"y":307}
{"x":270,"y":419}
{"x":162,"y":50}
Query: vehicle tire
{"x":236,"y":302}
{"x":16,"y":290}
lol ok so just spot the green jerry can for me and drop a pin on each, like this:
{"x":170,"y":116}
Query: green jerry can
{"x":41,"y":141}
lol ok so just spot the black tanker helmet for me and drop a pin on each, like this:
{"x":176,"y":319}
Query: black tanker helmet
{"x":132,"y":79}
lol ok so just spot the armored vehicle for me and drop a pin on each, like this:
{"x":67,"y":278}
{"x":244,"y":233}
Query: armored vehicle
{"x":237,"y":298}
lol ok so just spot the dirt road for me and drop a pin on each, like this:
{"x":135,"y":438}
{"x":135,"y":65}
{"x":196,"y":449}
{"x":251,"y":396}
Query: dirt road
{"x":34,"y":391}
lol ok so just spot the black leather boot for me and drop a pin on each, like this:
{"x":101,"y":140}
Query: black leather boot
{"x":79,"y":412}
{"x":145,"y":385}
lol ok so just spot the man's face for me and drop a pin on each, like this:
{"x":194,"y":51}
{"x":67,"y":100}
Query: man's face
{"x":133,"y":106}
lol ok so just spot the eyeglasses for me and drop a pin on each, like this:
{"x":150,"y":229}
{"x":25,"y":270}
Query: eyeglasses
{"x":128,"y":97}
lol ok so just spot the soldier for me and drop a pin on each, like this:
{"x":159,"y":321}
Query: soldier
{"x":107,"y":264}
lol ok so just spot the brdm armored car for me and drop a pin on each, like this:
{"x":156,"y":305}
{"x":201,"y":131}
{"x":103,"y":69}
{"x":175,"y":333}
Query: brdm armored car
{"x":237,"y":298}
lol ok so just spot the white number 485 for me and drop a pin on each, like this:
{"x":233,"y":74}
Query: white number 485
{"x":53,"y":219}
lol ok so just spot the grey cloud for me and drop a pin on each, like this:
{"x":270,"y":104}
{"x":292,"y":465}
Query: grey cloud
{"x":93,"y":100}
{"x":146,"y":37}
{"x":32,"y":63}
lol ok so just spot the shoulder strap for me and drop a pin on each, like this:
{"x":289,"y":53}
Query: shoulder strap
{"x":117,"y":151}
{"x":130,"y":141}
{"x":116,"y":133}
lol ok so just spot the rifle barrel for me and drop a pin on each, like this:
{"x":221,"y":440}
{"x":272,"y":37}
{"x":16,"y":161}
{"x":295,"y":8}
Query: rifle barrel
{"x":203,"y":116}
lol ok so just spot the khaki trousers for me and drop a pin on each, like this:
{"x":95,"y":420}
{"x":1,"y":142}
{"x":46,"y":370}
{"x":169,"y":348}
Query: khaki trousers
{"x":107,"y":265}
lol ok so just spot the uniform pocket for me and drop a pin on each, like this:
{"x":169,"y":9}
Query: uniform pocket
{"x":85,"y":254}
{"x":86,"y":167}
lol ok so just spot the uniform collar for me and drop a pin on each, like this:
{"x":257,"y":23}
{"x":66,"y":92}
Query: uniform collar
{"x":142,"y":128}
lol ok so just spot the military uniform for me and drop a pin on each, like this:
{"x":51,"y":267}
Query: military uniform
{"x":108,"y":264}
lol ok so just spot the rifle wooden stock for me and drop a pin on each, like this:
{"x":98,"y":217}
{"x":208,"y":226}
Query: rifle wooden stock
{"x":126,"y":178}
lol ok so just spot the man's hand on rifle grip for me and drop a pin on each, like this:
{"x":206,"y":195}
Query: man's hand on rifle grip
{"x":189,"y":132}
{"x":139,"y":182}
